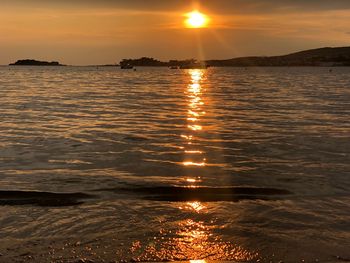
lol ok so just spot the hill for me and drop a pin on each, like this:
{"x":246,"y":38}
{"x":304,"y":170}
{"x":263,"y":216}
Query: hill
{"x":32,"y":62}
{"x":339,"y":56}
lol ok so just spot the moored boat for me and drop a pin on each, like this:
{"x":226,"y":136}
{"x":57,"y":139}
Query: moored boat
{"x":126,"y":66}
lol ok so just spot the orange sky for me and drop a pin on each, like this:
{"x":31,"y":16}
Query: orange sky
{"x":105,"y":31}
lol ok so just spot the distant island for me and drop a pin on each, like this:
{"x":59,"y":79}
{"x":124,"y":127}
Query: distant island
{"x":151,"y":62}
{"x":32,"y":62}
{"x":321,"y":57}
{"x":339,"y":56}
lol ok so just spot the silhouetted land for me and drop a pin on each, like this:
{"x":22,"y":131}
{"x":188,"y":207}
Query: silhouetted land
{"x":151,"y":62}
{"x":32,"y":62}
{"x":339,"y":56}
{"x":314,"y":57}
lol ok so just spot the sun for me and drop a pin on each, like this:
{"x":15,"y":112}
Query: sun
{"x":196,"y":19}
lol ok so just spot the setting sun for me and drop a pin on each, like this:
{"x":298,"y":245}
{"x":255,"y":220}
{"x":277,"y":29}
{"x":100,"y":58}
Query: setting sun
{"x":195,"y":19}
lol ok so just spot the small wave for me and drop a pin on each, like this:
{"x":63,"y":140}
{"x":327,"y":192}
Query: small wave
{"x":41,"y":198}
{"x":204,"y":194}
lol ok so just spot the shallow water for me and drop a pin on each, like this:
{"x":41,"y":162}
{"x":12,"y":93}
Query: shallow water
{"x":219,"y":164}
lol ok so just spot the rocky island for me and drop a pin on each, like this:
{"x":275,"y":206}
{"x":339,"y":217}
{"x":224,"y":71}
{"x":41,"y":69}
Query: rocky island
{"x":321,"y":57}
{"x":32,"y":62}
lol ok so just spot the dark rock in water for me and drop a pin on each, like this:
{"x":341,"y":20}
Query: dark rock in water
{"x":32,"y":62}
{"x":41,"y":198}
{"x":206,"y":194}
{"x":343,"y":259}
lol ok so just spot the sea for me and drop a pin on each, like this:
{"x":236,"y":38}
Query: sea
{"x":99,"y":164}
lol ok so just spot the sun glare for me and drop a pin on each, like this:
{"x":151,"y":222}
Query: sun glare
{"x":196,"y":19}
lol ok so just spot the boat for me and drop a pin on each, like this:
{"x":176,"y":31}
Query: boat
{"x":126,"y":66}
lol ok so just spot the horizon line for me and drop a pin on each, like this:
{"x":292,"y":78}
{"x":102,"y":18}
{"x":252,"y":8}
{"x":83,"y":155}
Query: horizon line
{"x":117,"y":63}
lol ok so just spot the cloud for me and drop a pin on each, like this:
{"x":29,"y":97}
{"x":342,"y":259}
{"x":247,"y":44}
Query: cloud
{"x":217,"y":6}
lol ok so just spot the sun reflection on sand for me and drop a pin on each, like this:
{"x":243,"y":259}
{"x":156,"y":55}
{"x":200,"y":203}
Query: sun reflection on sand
{"x":198,"y":261}
{"x":194,"y":240}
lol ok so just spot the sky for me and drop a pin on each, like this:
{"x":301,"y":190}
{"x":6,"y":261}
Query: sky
{"x":86,"y":32}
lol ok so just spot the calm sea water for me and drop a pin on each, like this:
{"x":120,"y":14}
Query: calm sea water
{"x":220,"y":164}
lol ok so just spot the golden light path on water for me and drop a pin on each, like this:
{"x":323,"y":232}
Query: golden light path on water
{"x":194,"y":114}
{"x":193,"y":237}
{"x":196,"y":240}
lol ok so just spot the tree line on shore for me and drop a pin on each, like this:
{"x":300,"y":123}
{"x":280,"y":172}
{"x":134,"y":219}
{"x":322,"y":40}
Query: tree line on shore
{"x":315,"y":57}
{"x":339,"y":56}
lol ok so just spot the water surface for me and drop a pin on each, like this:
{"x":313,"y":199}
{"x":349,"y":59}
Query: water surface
{"x":158,"y":164}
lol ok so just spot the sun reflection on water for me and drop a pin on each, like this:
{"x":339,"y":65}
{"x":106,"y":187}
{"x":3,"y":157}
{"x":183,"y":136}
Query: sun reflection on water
{"x":194,"y":236}
{"x":196,"y":206}
{"x":194,"y":114}
{"x":191,"y":180}
{"x":195,"y":127}
{"x":193,"y":151}
{"x":190,"y":112}
{"x":193,"y":164}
